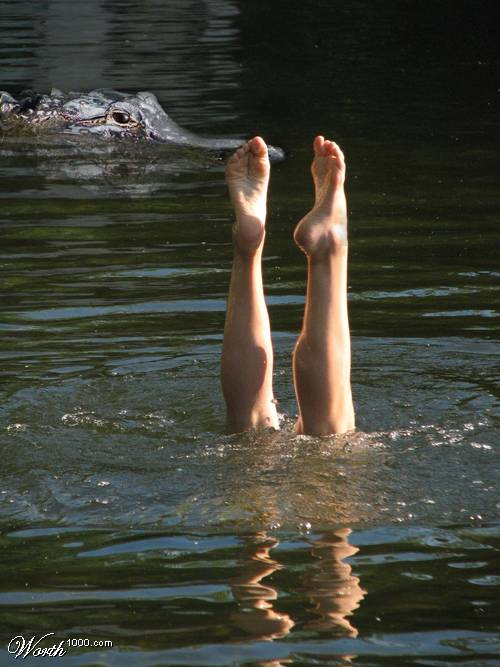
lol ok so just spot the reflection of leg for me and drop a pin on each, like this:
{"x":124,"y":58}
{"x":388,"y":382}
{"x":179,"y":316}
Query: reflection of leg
{"x":257,"y":616}
{"x":247,"y":355}
{"x":330,"y":585}
{"x":322,"y":357}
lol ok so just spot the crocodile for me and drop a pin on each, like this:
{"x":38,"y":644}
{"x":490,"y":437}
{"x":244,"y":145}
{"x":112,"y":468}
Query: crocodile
{"x":106,"y":114}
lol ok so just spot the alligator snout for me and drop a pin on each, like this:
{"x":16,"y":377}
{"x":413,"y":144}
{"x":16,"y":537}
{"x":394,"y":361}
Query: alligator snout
{"x":107,"y":114}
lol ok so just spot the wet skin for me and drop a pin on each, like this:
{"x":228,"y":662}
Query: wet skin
{"x":322,"y":359}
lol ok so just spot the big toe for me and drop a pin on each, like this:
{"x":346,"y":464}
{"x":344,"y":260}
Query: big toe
{"x":258,"y":147}
{"x":319,"y":146}
{"x":258,"y":162}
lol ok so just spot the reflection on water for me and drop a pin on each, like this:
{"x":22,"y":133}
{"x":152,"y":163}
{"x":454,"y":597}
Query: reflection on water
{"x":331,"y":587}
{"x":328,"y":584}
{"x":73,"y":168}
{"x":185,"y":51}
{"x":256,"y":615}
{"x":260,"y":598}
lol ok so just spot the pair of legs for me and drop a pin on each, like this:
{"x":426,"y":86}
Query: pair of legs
{"x":322,"y":356}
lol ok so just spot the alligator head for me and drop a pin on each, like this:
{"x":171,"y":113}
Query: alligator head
{"x":107,"y":114}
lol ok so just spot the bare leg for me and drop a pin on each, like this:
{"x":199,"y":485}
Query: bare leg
{"x":322,"y":356}
{"x":247,"y":353}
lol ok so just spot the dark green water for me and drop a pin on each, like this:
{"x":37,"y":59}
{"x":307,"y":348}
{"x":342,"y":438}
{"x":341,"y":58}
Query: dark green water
{"x":125,"y":513}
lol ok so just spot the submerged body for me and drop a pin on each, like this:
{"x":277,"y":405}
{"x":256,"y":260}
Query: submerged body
{"x":106,"y":114}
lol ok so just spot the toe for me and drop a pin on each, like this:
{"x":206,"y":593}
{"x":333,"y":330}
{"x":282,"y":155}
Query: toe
{"x":336,"y":147}
{"x":339,"y":155}
{"x":338,"y":150}
{"x":318,"y":145}
{"x":258,"y":147}
{"x":237,"y":164}
{"x":329,"y":148}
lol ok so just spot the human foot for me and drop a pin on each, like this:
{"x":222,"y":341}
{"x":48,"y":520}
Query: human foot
{"x":324,"y":229}
{"x":247,"y":177}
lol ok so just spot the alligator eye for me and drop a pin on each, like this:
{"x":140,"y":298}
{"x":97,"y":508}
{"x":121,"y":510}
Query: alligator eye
{"x":121,"y":117}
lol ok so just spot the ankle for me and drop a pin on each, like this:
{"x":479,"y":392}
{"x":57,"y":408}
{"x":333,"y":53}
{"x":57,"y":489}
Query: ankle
{"x":248,"y":243}
{"x":246,"y":256}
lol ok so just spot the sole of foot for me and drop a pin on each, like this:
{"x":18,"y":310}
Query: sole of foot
{"x":247,"y":177}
